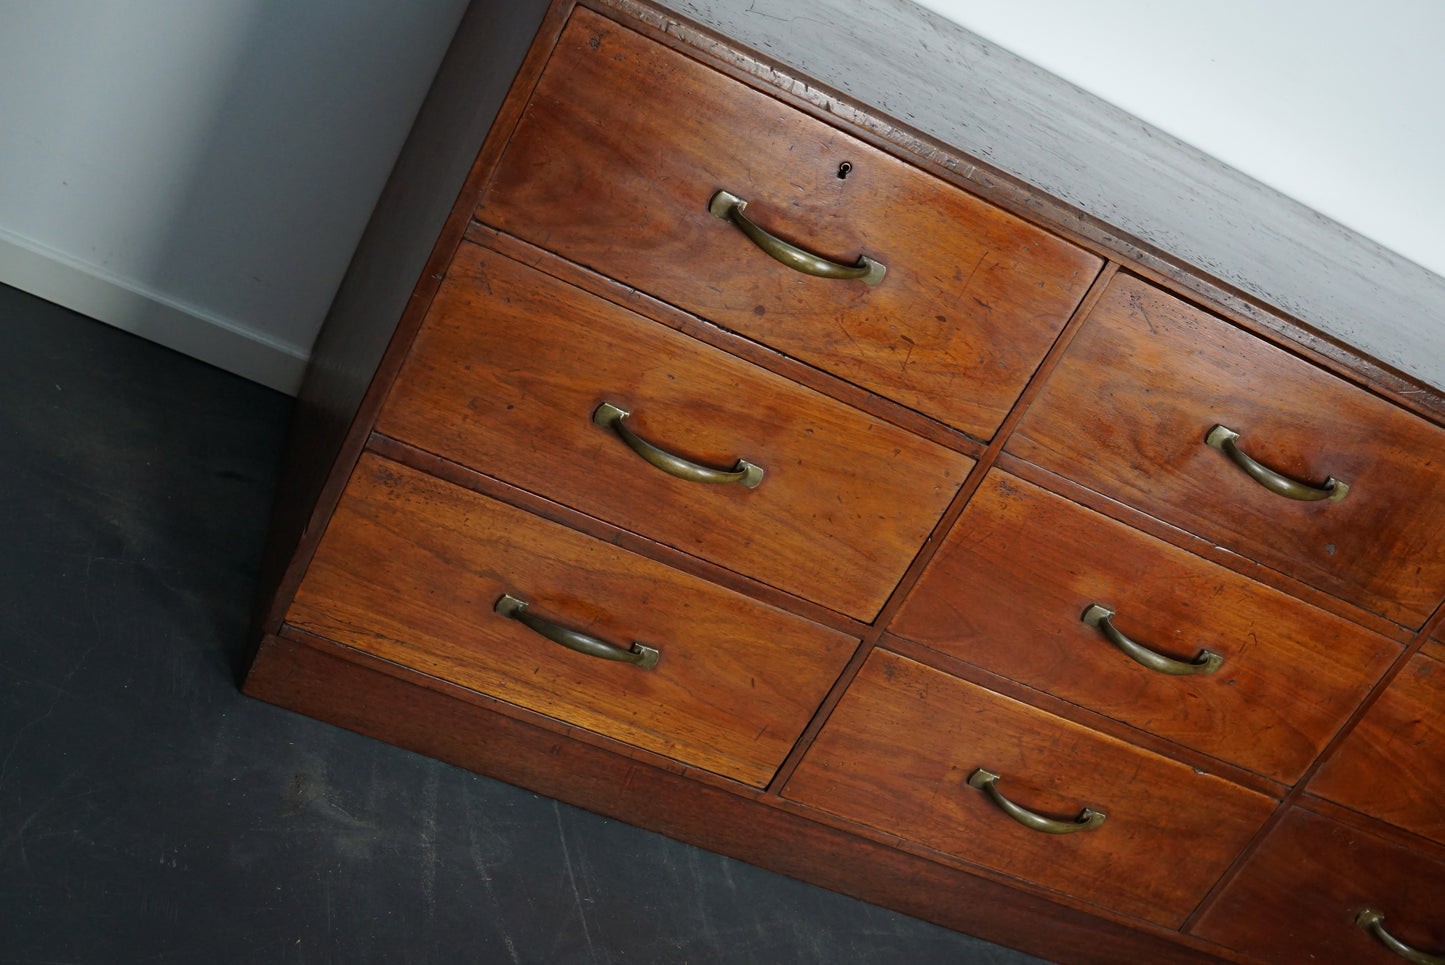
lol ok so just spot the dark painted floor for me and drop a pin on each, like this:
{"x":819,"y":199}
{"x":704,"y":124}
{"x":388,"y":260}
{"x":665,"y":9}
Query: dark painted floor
{"x":151,"y":813}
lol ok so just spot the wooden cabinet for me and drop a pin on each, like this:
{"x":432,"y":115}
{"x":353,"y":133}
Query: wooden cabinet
{"x":1300,"y":896}
{"x":1014,"y":579}
{"x":1392,"y":765}
{"x":511,"y":365}
{"x":973,"y":296}
{"x":412,"y":569}
{"x":899,"y":752}
{"x":706,"y":446}
{"x":1129,"y":410}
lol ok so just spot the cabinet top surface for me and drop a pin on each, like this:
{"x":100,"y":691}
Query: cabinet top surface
{"x":955,"y":88}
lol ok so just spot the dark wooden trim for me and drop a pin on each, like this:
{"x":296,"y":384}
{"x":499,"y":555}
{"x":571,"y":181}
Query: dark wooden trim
{"x":945,"y":523}
{"x":718,"y":337}
{"x":1361,"y":822}
{"x":460,"y":475}
{"x":523,"y":715}
{"x":423,"y":215}
{"x":304,"y":678}
{"x":1128,"y":144}
{"x":1093,"y":720}
{"x":1298,"y":795}
{"x":1201,"y":547}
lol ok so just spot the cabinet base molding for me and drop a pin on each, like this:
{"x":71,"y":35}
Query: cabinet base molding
{"x":315,"y":678}
{"x":833,"y":550}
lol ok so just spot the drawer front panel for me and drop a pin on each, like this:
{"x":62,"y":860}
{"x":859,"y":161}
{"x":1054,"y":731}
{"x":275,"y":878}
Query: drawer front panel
{"x":625,"y":142}
{"x":1127,"y":412}
{"x":511,"y":364}
{"x":411,"y":568}
{"x":897,"y":753}
{"x":1392,"y":765}
{"x":1009,"y":587}
{"x":1297,"y":897}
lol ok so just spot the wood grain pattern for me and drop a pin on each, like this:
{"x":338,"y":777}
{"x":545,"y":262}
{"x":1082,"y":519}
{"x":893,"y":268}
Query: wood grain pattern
{"x":510,"y":365}
{"x":1201,"y":547}
{"x":410,"y":568}
{"x":414,"y":227}
{"x":897,"y":752}
{"x":457,"y":474}
{"x":1008,"y":587}
{"x":973,"y":297}
{"x":350,"y":690}
{"x":1127,"y":410}
{"x":1392,"y":765}
{"x":1296,"y":898}
{"x":611,"y":167}
{"x":1064,"y":156}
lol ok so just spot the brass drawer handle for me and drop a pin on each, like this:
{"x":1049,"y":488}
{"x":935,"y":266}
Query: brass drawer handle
{"x":1102,"y":617}
{"x":1226,"y":441}
{"x":1374,"y":922}
{"x":744,"y":473}
{"x":643,"y":656}
{"x":729,"y":207}
{"x":986,"y":781}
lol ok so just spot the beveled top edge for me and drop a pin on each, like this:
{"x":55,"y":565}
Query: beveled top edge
{"x":1235,"y":240}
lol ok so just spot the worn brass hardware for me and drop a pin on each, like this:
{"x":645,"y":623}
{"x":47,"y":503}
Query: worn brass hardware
{"x":1374,"y":922}
{"x":745,"y":474}
{"x":516,"y":609}
{"x":729,"y":207}
{"x":1227,"y":442}
{"x":986,"y":781}
{"x":1102,"y":617}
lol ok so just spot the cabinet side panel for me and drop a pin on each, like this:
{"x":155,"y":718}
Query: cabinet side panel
{"x":382,"y":279}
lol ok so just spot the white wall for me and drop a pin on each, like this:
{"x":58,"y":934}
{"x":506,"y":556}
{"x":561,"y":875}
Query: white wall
{"x":199,"y":172}
{"x":1336,"y":104}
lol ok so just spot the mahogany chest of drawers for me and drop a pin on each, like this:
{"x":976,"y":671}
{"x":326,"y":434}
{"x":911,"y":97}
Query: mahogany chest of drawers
{"x":705,"y":447}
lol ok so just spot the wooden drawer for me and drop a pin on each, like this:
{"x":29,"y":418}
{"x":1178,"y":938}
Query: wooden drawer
{"x":1297,"y":897}
{"x":624,"y":143}
{"x":1127,"y":412}
{"x":898,"y":750}
{"x":411,"y":568}
{"x":511,"y":364}
{"x":1009,"y":587}
{"x":1392,"y":765}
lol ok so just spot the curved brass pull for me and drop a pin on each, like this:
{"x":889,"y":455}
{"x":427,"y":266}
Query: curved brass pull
{"x":1226,"y":441}
{"x":1087,"y":820}
{"x":1102,"y":617}
{"x":513,"y":608}
{"x":1374,"y":922}
{"x":729,"y":207}
{"x":744,"y":473}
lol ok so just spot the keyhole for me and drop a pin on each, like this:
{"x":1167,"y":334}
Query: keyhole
{"x":844,"y":169}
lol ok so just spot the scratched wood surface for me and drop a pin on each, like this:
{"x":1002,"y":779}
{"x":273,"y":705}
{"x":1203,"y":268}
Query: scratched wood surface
{"x":1392,"y":766}
{"x":897,"y":753}
{"x":642,"y":920}
{"x":973,"y":297}
{"x":152,"y":812}
{"x":1008,"y":587}
{"x":1127,"y":411}
{"x":510,"y":365}
{"x":1122,"y":181}
{"x":410,"y":568}
{"x":1295,"y":900}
